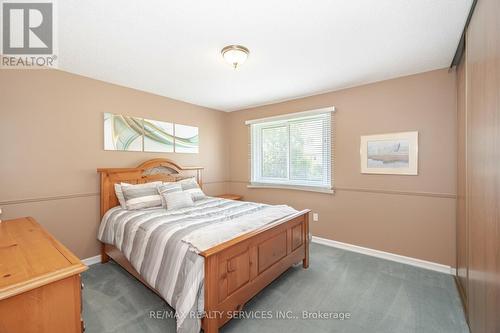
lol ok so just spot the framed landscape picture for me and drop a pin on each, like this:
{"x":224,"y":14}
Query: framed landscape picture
{"x":392,"y":154}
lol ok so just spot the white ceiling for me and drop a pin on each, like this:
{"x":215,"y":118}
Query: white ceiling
{"x":298,"y":47}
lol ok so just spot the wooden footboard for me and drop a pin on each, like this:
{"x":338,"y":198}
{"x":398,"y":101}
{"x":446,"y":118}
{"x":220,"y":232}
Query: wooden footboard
{"x":237,"y":270}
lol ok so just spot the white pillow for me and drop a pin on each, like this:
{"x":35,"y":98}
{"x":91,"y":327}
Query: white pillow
{"x":139,"y":196}
{"x":178,"y":200}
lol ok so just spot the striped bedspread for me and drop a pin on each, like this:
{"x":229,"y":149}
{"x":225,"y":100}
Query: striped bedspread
{"x":163,"y":245}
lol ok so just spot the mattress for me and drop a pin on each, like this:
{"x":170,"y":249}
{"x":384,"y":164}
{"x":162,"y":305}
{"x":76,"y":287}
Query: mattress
{"x":164,"y":245}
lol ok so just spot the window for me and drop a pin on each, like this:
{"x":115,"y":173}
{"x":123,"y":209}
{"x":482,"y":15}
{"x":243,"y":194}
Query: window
{"x":292,"y":150}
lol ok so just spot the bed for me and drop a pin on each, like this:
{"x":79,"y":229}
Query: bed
{"x":221,"y":265}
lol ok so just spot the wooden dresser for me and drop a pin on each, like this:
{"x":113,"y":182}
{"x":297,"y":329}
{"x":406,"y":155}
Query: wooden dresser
{"x":40,"y":288}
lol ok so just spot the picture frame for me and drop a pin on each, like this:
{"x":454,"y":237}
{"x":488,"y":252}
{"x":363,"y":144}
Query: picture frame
{"x":390,"y":154}
{"x":129,"y":133}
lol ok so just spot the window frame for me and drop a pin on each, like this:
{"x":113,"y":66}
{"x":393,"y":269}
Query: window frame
{"x":256,"y":152}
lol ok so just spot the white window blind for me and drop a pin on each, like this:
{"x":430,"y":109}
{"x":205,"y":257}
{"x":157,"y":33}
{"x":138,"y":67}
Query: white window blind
{"x":293,"y":150}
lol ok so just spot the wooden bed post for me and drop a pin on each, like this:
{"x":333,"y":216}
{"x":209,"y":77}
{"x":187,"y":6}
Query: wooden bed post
{"x":305,"y":262}
{"x":104,"y":255}
{"x":104,"y":207}
{"x":198,"y":178}
{"x":211,"y":320}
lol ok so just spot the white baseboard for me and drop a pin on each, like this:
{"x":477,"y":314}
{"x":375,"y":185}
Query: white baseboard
{"x":387,"y":255}
{"x":92,"y":260}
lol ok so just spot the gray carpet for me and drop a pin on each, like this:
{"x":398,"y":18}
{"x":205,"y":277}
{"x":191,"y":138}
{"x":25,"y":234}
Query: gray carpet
{"x":380,"y":296}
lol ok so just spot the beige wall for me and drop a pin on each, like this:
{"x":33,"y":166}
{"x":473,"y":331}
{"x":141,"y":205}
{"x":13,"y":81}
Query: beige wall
{"x":51,"y":142}
{"x":408,"y":215}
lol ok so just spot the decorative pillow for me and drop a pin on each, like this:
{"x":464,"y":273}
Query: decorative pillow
{"x":178,"y":200}
{"x":188,"y":183}
{"x":141,"y":195}
{"x":166,"y":188}
{"x":196,"y":193}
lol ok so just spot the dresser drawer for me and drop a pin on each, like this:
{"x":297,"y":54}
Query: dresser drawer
{"x":54,"y":307}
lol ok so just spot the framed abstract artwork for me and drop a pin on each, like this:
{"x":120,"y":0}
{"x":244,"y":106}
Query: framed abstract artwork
{"x":122,"y":132}
{"x":126,"y":133}
{"x":392,"y":154}
{"x":158,"y":136}
{"x":186,"y":139}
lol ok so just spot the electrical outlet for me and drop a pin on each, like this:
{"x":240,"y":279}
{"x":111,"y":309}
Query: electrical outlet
{"x":315,"y":217}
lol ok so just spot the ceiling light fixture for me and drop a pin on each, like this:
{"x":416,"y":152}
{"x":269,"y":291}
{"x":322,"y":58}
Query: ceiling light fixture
{"x":236,"y":55}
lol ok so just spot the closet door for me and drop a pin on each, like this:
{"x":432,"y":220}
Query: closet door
{"x":483,"y":167}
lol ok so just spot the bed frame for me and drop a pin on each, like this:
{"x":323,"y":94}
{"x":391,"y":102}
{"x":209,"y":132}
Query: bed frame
{"x":235,"y":270}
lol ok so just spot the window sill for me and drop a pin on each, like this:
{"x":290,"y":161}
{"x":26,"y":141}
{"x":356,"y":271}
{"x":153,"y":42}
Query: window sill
{"x":292,"y":187}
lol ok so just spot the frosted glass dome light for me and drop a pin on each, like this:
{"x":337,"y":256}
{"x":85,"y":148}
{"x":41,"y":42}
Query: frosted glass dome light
{"x":236,"y":55}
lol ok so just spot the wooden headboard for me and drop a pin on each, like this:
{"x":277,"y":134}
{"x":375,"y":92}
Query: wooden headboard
{"x":149,"y":171}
